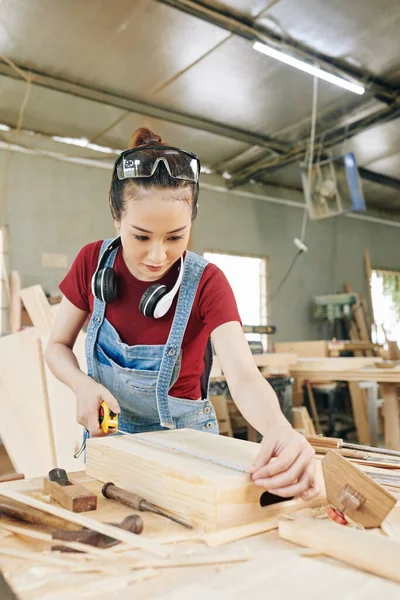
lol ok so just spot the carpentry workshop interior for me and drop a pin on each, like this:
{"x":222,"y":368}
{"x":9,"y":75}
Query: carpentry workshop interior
{"x":199,"y":299}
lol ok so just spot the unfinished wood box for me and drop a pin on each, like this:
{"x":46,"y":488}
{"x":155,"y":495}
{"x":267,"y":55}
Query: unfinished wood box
{"x":205,"y":494}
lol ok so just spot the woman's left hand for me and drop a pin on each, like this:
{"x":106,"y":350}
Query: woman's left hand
{"x":285,"y":464}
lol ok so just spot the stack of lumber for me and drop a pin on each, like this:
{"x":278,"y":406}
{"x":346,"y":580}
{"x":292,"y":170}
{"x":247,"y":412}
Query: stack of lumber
{"x":40,"y":429}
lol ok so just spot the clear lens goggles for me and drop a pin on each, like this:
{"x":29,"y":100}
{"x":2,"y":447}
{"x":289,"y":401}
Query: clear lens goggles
{"x":144,"y":161}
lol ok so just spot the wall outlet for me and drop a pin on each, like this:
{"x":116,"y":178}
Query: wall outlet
{"x":54,"y":261}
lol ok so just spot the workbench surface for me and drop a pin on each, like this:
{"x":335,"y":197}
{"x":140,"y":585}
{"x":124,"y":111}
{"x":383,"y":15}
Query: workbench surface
{"x":275,"y":570}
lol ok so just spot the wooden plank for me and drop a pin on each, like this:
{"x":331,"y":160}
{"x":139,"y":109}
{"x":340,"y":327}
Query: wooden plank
{"x":38,"y":308}
{"x":342,"y":363}
{"x":302,"y":421}
{"x":136,"y":541}
{"x":220,"y":404}
{"x":24,"y":428}
{"x":68,"y":434}
{"x":4,"y":283}
{"x":201,"y":492}
{"x":227,"y":536}
{"x":391,"y":415}
{"x":368,"y":273}
{"x":304,"y":349}
{"x":361,"y":549}
{"x":359,"y":319}
{"x":313,"y":406}
{"x":360,"y":412}
{"x":15,"y":302}
{"x":364,"y":374}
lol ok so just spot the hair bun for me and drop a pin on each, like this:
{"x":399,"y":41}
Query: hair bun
{"x":144,"y":136}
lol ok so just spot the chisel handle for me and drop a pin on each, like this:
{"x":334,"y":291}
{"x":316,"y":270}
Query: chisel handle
{"x":321,"y":441}
{"x":110,"y":490}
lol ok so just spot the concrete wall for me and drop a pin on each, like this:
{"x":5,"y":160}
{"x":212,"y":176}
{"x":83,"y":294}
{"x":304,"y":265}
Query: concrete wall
{"x":57,"y":207}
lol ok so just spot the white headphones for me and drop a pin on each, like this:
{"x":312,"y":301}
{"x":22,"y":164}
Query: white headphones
{"x":155,"y":302}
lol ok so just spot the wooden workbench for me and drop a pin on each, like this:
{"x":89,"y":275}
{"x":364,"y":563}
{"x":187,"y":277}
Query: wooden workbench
{"x":269,"y":364}
{"x":389,"y":380}
{"x":276,"y":569}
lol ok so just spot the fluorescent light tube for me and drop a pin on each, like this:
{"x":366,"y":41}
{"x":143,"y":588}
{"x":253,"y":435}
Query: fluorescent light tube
{"x":307,"y":68}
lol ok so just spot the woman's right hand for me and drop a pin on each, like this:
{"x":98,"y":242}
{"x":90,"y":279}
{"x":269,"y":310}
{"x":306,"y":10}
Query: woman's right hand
{"x":90,"y":395}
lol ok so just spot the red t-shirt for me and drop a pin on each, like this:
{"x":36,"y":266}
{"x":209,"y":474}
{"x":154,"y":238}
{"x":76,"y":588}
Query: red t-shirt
{"x":214,"y":304}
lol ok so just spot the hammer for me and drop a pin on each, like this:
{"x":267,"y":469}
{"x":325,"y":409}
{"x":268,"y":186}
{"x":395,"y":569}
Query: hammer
{"x":132,"y":523}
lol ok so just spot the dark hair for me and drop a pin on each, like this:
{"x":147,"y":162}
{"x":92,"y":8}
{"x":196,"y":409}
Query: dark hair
{"x":143,"y":137}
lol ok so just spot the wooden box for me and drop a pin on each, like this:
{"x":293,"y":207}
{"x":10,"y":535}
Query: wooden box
{"x":205,"y":494}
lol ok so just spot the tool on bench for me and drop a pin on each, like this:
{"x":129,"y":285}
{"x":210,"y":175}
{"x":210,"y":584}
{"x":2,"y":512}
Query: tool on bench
{"x":337,"y":443}
{"x":111,"y":491}
{"x":351,"y":492}
{"x":108,"y":421}
{"x":35,"y":516}
{"x":131,"y":523}
{"x":71,"y":496}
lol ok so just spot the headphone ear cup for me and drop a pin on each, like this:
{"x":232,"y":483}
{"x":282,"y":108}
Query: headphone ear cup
{"x":105,"y":285}
{"x":150,"y":299}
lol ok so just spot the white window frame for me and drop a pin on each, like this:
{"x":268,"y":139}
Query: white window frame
{"x":264,"y":287}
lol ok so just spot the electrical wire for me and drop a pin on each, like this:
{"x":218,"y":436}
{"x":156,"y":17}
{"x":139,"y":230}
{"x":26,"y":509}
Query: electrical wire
{"x":286,"y":275}
{"x":310,"y":152}
{"x":310,"y":157}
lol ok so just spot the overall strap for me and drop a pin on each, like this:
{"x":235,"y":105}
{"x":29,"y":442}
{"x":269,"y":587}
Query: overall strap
{"x":99,"y":309}
{"x":194,"y":266}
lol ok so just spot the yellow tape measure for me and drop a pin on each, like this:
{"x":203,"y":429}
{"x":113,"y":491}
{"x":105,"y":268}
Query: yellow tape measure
{"x":108,"y":419}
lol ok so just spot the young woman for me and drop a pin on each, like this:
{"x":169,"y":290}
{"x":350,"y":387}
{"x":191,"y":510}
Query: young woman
{"x":153,"y":308}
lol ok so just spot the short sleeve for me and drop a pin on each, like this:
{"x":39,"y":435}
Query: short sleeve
{"x":76,"y":284}
{"x":217,"y":303}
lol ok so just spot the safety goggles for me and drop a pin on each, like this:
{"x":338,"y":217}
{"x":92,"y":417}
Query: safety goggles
{"x":144,"y":161}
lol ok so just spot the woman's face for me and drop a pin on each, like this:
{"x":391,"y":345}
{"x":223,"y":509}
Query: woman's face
{"x":155,"y":230}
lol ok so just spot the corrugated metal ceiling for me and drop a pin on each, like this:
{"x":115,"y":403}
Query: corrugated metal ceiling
{"x":146,"y":50}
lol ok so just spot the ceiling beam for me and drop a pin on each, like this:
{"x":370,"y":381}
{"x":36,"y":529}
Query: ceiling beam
{"x":145,"y":108}
{"x":324,"y":140}
{"x":253,"y":32}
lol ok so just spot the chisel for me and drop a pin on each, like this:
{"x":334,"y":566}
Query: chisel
{"x":338,"y":443}
{"x":109,"y":490}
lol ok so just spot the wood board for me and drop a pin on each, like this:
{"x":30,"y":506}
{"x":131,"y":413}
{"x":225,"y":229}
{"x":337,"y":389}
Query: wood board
{"x":68,"y":434}
{"x":362,"y":549}
{"x":24,"y":427}
{"x":38,"y":308}
{"x":336,"y":363}
{"x":311,"y":348}
{"x":268,"y":363}
{"x":203,"y":493}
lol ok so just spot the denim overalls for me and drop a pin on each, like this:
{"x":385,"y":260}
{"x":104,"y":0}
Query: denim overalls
{"x":139,"y":377}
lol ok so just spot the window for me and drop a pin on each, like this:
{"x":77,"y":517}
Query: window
{"x":248,"y":278}
{"x":385,"y":292}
